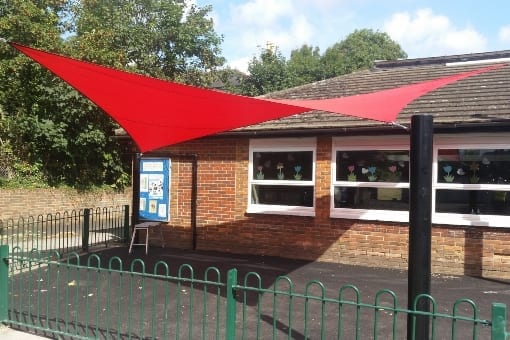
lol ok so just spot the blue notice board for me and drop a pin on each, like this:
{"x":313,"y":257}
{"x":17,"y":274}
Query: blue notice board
{"x":154,"y":189}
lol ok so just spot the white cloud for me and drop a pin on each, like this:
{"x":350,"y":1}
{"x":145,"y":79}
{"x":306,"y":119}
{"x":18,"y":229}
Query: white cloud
{"x":240,"y":64}
{"x":504,"y":34}
{"x":259,"y":22}
{"x":261,"y":13}
{"x":425,"y":33}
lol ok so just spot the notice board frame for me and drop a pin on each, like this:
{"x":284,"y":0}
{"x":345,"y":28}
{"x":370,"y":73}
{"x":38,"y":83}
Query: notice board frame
{"x":155,"y":175}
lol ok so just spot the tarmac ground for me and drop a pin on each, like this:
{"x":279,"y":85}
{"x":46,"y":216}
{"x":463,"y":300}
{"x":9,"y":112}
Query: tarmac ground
{"x":445,"y":289}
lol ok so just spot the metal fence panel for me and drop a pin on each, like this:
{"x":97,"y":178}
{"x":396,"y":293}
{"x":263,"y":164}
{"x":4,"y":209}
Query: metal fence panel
{"x":68,"y":231}
{"x":95,"y":297}
{"x":100,"y":300}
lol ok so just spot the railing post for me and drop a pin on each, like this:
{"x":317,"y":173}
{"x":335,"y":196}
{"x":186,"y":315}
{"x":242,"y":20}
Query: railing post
{"x":231,"y":304}
{"x":86,"y":229}
{"x":126,"y":222}
{"x":4,"y":282}
{"x":498,"y":329}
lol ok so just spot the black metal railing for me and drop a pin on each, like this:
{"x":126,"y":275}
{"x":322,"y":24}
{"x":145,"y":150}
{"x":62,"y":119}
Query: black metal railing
{"x":67,"y":231}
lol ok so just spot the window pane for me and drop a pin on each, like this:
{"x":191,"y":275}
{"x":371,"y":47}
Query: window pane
{"x":473,"y":202}
{"x":282,"y":195}
{"x":372,"y":198}
{"x":373,"y":166}
{"x":283,"y":165}
{"x":487,"y":166}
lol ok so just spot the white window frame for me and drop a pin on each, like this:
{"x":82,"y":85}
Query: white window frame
{"x":441,"y":141}
{"x":281,"y":145}
{"x":366,"y":143}
{"x":468,"y":141}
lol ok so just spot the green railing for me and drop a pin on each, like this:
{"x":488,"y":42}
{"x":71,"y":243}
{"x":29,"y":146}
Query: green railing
{"x":100,"y":298}
{"x":67,"y":231}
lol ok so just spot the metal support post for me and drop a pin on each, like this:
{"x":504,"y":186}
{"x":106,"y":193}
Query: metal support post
{"x":420,"y":230}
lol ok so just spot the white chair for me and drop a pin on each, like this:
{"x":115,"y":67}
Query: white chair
{"x":144,"y":226}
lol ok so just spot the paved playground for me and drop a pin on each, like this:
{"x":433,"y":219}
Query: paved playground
{"x":445,"y":289}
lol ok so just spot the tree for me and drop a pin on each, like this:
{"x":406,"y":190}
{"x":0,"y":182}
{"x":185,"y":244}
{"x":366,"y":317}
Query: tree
{"x":24,"y":135}
{"x":267,"y":73}
{"x":271,"y":72}
{"x":305,"y":65}
{"x":359,"y":51}
{"x":160,"y":38}
{"x":52,"y":129}
{"x":228,"y":80}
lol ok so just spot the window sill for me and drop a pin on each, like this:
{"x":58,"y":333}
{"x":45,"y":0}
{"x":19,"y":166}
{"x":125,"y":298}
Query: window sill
{"x":281,"y":210}
{"x":471,"y":220}
{"x":438,"y":218}
{"x":371,"y":215}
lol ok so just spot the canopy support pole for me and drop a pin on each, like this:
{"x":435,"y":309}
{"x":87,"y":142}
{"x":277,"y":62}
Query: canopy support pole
{"x":420,"y":212}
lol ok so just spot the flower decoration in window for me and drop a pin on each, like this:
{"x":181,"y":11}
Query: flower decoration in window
{"x":280,"y":174}
{"x":351,"y":176}
{"x":393,"y":174}
{"x":297,"y":174}
{"x":370,"y":172}
{"x":260,"y":174}
{"x":448,"y":170}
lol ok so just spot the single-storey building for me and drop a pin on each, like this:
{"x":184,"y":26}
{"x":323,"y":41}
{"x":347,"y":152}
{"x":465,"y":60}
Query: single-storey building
{"x":323,"y":186}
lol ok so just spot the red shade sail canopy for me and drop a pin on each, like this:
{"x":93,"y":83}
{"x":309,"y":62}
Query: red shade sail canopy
{"x":158,"y":113}
{"x":384,"y":105}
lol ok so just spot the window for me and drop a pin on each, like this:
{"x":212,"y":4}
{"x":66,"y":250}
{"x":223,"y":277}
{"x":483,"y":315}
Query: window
{"x":472,"y":180}
{"x":281,"y":176}
{"x":370,"y":178}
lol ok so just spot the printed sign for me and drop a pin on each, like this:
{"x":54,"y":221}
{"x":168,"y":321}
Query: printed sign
{"x":154,"y":189}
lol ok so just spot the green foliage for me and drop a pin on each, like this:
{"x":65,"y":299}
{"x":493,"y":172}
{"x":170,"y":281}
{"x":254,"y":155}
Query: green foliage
{"x":52,"y":135}
{"x":305,"y":65}
{"x":359,"y":51}
{"x":270,"y":71}
{"x":15,"y":172}
{"x":229,"y":80}
{"x":159,"y":38}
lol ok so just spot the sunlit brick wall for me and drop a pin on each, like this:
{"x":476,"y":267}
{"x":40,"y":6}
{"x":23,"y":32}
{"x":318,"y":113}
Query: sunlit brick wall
{"x":15,"y":203}
{"x":223,"y":225}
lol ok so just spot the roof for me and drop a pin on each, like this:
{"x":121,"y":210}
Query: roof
{"x":475,"y":101}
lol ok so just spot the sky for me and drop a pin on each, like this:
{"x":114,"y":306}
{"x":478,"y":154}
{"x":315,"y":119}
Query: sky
{"x":422,"y":28}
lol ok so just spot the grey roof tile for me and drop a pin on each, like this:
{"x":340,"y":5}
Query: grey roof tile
{"x":478,"y":99}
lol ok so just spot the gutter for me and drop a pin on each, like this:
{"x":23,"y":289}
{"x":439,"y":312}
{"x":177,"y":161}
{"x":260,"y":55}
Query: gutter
{"x":492,"y":126}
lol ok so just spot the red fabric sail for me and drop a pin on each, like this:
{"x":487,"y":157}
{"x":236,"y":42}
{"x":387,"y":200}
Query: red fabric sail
{"x":158,"y":113}
{"x":384,"y":105}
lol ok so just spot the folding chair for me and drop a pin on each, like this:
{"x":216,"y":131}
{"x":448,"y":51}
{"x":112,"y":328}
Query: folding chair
{"x":144,"y":226}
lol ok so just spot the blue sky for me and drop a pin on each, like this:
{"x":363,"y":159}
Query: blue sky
{"x":422,"y":28}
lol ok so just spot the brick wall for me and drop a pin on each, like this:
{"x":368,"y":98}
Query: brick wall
{"x":15,"y":203}
{"x":223,"y":225}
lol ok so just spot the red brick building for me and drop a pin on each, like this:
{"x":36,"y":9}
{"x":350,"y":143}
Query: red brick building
{"x":327,"y":187}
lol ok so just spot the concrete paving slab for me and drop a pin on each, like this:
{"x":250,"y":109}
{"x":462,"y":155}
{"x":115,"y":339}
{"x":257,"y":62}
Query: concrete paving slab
{"x":7,"y":333}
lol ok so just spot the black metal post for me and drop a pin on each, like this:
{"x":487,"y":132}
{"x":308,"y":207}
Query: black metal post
{"x":420,"y":233}
{"x":126,"y":223}
{"x":194,"y":188}
{"x":136,"y":194}
{"x":86,"y":230}
{"x":136,"y":189}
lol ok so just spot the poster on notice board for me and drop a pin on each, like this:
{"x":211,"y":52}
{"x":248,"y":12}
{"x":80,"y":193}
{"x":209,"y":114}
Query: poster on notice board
{"x":154,"y":189}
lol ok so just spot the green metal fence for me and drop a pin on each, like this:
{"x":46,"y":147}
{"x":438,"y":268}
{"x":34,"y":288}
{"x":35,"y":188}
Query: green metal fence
{"x":67,"y":231}
{"x":81,"y":298}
